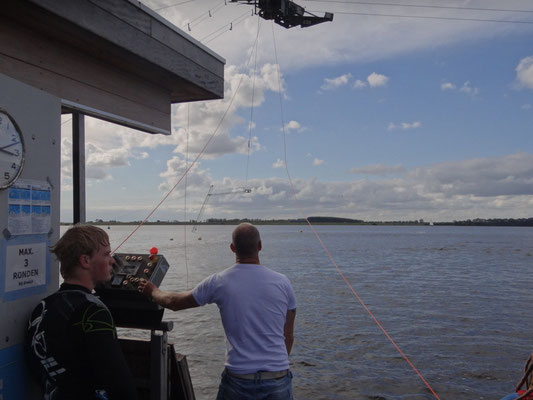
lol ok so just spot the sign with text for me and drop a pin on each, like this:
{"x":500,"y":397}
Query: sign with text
{"x":29,"y":207}
{"x":25,"y":266}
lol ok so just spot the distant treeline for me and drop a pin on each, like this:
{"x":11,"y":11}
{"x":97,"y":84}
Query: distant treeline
{"x":327,"y":221}
{"x":491,"y":222}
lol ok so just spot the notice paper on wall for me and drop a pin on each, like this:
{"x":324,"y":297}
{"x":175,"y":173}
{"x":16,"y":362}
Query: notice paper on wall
{"x":25,"y":266}
{"x":29,"y":207}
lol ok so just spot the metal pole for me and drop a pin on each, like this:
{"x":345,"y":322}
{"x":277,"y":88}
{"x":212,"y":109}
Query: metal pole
{"x":159,"y":366}
{"x":78,"y":167}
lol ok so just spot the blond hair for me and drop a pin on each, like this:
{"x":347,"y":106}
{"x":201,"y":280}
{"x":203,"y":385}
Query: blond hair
{"x":77,"y":241}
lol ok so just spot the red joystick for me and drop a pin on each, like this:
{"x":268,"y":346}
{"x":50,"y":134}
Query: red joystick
{"x":153,"y":251}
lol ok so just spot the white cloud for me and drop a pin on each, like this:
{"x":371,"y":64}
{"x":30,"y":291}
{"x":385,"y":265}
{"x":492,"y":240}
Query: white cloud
{"x":524,"y":72}
{"x":526,"y":107}
{"x":496,"y":187}
{"x":110,"y":145}
{"x":466,"y":88}
{"x":278,"y":164}
{"x":485,"y":188}
{"x":404,"y":125}
{"x":359,"y":84}
{"x":294,"y":126}
{"x":205,"y":118}
{"x":378,"y":170}
{"x":373,"y":80}
{"x":176,"y":168}
{"x":317,"y":162}
{"x":483,"y":177}
{"x":334,"y":83}
{"x":377,"y":80}
{"x":447,"y":86}
{"x":97,"y":162}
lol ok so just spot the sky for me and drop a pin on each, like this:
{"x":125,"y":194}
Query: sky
{"x":397,"y":110}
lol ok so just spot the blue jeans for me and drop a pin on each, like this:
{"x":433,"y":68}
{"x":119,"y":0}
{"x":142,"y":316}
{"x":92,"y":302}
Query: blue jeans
{"x":232,"y":388}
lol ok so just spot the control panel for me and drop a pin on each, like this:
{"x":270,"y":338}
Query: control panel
{"x":129,"y":269}
{"x":129,"y":307}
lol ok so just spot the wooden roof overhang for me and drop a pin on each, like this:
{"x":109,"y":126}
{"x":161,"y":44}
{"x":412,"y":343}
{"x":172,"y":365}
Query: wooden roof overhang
{"x":113,"y":59}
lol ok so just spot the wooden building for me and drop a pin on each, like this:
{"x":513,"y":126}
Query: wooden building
{"x":116,"y":60}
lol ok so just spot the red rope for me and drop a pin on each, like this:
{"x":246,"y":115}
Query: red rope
{"x":324,"y":246}
{"x":370,"y":312}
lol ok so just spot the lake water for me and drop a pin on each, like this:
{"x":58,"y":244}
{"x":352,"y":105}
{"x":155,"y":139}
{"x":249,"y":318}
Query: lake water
{"x":455,"y":299}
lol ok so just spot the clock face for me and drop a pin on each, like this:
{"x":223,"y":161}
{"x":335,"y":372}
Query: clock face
{"x":11,"y":150}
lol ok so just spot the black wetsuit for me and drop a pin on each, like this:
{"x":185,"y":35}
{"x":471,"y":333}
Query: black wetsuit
{"x":73,"y":348}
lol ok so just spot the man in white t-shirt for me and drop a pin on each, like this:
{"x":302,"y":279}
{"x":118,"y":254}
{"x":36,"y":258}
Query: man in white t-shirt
{"x":257,"y":307}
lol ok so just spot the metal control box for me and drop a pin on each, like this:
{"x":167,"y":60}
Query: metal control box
{"x":128,"y":307}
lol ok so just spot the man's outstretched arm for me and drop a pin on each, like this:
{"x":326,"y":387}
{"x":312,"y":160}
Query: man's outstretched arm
{"x":172,"y":300}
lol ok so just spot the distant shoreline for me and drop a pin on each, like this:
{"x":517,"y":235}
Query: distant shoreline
{"x":526,"y":222}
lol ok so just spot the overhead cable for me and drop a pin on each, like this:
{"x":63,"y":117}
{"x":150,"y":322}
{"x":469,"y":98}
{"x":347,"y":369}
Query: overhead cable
{"x":420,"y":6}
{"x":224,"y":28}
{"x":252,"y":106}
{"x":173,"y":5}
{"x":204,"y":15}
{"x":430,"y":17}
{"x":224,"y":31}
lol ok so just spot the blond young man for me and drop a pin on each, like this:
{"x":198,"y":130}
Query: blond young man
{"x":72,"y":340}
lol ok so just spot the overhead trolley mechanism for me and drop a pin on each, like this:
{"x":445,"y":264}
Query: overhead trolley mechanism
{"x":286,"y":13}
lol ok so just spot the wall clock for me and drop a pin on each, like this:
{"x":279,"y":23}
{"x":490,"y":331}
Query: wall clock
{"x":12,"y":152}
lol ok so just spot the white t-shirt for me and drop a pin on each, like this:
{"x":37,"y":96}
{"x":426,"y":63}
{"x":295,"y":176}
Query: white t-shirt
{"x":253,"y":301}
